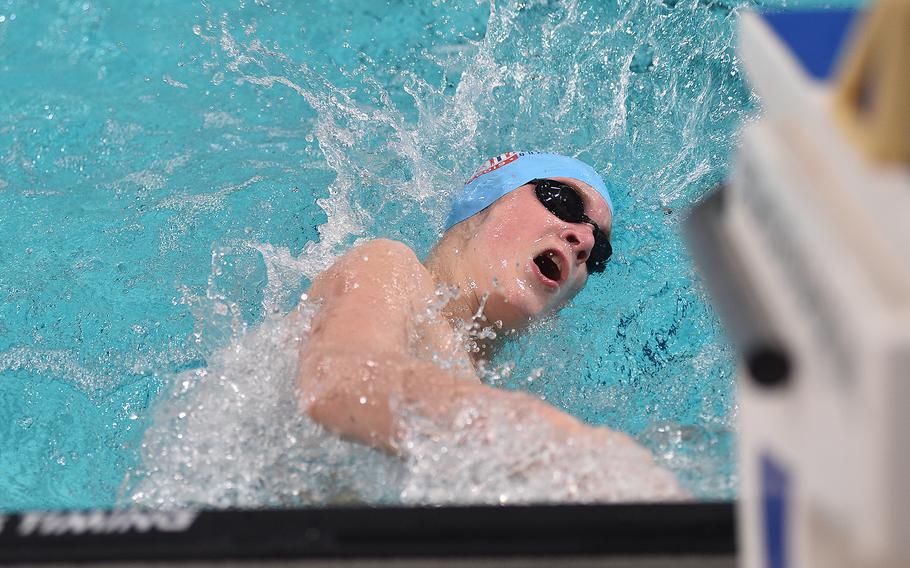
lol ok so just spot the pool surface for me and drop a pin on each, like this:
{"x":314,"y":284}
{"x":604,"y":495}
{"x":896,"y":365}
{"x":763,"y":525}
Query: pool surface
{"x":173,"y":173}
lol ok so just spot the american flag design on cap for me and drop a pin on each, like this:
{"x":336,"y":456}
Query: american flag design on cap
{"x":508,"y":171}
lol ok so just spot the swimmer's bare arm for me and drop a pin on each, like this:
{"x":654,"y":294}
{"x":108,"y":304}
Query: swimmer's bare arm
{"x":356,"y":367}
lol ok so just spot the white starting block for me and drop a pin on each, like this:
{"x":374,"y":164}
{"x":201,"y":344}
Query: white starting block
{"x":806,"y":251}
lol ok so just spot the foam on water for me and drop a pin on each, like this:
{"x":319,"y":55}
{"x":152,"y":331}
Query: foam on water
{"x":231,"y":434}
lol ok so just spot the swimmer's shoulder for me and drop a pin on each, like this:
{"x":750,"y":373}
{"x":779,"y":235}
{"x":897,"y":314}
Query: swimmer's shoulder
{"x":394,"y":251}
{"x":383,"y":263}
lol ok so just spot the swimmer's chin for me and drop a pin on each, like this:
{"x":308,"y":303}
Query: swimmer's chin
{"x":524,"y":312}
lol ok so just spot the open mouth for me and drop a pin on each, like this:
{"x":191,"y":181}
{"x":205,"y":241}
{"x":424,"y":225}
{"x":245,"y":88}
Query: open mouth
{"x":549,"y":263}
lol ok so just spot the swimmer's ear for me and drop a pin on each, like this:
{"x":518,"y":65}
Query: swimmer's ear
{"x":478,"y":219}
{"x":464,"y":230}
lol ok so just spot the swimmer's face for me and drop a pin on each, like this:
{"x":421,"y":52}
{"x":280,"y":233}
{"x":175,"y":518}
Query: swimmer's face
{"x":530,"y":261}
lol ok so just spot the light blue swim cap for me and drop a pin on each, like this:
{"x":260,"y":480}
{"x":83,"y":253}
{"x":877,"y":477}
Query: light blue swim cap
{"x":507,"y":172}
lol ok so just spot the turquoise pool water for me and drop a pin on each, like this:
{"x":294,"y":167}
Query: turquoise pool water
{"x":174,"y":171}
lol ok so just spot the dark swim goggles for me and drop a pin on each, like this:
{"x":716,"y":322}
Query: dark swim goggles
{"x":564,"y":201}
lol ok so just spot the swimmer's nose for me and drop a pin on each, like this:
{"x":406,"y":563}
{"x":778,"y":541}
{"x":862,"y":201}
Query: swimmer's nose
{"x":581,"y":241}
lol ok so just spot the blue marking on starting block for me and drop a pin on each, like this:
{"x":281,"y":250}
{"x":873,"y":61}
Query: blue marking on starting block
{"x":775,"y":489}
{"x":814,"y":37}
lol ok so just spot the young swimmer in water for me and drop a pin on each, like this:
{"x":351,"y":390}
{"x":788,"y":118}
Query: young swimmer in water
{"x":521,"y":241}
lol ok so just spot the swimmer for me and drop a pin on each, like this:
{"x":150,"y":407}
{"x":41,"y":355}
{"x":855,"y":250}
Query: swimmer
{"x":523,"y":237}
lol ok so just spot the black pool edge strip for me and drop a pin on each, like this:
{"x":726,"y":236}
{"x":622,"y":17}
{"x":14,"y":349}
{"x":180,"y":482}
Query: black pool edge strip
{"x":360,"y":532}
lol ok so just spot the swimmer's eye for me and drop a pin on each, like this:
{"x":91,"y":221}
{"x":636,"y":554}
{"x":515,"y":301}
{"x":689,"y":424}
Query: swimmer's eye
{"x":563,"y":201}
